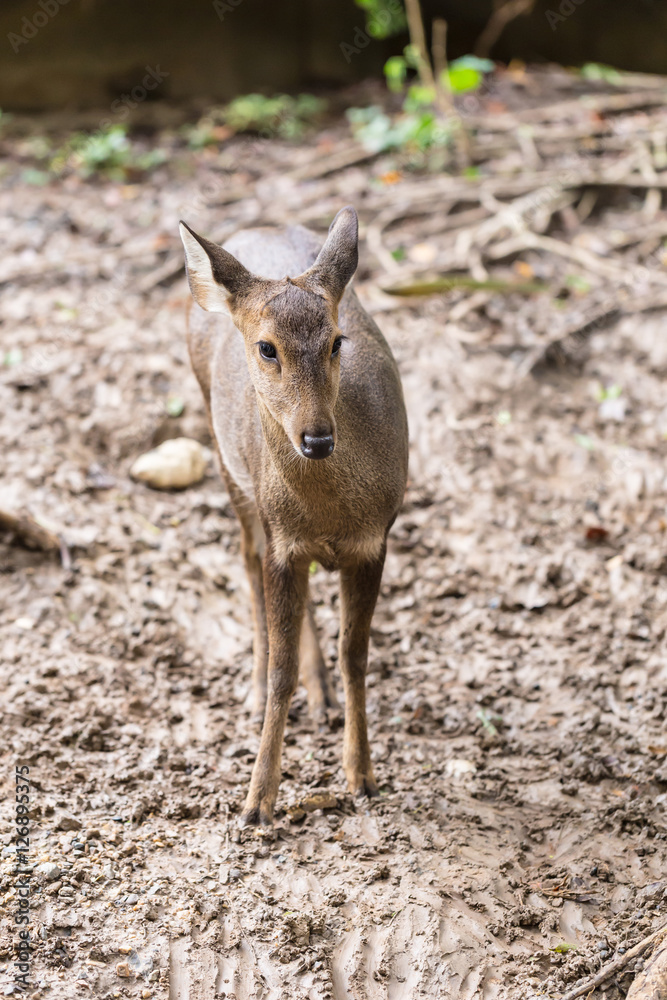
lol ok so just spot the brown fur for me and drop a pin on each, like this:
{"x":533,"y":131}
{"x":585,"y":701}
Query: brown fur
{"x":292,"y":509}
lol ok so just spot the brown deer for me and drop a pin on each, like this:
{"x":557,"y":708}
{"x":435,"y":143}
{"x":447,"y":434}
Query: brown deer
{"x":306,"y":408}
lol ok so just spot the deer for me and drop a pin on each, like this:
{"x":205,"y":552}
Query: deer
{"x":306,"y":411}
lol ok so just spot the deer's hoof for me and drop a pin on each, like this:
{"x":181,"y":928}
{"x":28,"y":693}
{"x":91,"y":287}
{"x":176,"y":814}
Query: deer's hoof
{"x":364,"y":786}
{"x":256,"y":816}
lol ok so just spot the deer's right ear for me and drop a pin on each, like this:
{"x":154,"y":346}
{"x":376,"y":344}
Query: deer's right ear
{"x":214,"y":275}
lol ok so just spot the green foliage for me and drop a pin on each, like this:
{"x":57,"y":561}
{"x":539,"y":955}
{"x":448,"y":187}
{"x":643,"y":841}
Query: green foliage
{"x":461,"y":77}
{"x":200,"y":135}
{"x":282,"y":115}
{"x":12,"y":357}
{"x":578,"y":283}
{"x":600,"y":72}
{"x":383,"y":17}
{"x":174,"y":406}
{"x":107,"y":152}
{"x":584,"y":441}
{"x":603,"y":392}
{"x":416,"y":131}
{"x":420,"y":127}
{"x":396,"y":71}
{"x":467,"y":74}
{"x":490,"y":720}
{"x":35,"y":178}
{"x":563,"y":948}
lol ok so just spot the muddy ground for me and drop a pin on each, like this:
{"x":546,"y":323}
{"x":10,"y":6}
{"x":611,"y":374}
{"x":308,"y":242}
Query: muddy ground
{"x":517,"y":679}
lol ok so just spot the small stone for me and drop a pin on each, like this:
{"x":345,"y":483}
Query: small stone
{"x":68,"y":823}
{"x":319,"y":800}
{"x":123,"y":970}
{"x":175,"y":464}
{"x":146,"y":994}
{"x":458,"y":766}
{"x":50,"y":870}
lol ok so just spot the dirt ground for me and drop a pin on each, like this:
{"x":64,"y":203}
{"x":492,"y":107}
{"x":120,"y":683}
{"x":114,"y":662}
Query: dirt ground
{"x":517,"y":679}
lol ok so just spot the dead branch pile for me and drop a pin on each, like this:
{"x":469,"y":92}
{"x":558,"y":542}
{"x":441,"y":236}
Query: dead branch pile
{"x":566,"y":184}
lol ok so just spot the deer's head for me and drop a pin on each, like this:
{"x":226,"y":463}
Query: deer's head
{"x":290,"y":328}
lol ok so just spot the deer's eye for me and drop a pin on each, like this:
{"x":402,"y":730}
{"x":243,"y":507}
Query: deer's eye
{"x":336,"y":346}
{"x":267,"y":350}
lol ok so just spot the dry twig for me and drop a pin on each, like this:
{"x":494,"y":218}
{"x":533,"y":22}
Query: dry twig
{"x":619,"y":963}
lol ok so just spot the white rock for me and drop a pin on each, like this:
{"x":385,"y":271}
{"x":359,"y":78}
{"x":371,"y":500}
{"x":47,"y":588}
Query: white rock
{"x":612,"y":409}
{"x":174,"y":464}
{"x":458,"y":766}
{"x":51,"y":870}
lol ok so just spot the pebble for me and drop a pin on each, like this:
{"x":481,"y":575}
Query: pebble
{"x":50,"y":869}
{"x":174,"y":464}
{"x":123,"y":970}
{"x":68,"y":823}
{"x":319,"y":800}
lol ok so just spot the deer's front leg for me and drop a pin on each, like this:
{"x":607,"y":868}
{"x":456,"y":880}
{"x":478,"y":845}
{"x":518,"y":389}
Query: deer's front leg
{"x":359,"y":588}
{"x":285,"y":589}
{"x":260,"y":646}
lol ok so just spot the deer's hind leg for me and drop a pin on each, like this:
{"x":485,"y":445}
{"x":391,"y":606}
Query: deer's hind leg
{"x":312,"y":670}
{"x":252,"y":548}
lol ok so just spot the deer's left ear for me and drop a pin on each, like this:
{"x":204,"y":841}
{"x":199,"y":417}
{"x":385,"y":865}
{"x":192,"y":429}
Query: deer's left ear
{"x":214,"y":275}
{"x":337,"y":260}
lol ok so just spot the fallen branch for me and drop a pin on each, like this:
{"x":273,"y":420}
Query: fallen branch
{"x":35,"y":535}
{"x":615,"y":966}
{"x":651,"y":982}
{"x":613,"y":270}
{"x":449,"y":281}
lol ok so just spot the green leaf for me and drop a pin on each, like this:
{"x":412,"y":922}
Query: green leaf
{"x":398,"y":253}
{"x":608,"y":392}
{"x":473,"y":62}
{"x":563,"y":948}
{"x":584,"y":441}
{"x":175,"y":406}
{"x":383,"y":17}
{"x":488,"y":720}
{"x":411,"y":53}
{"x":395,"y":71}
{"x":598,"y":71}
{"x":419,"y":97}
{"x":463,"y":80}
{"x":36,"y":178}
{"x":313,"y":567}
{"x":578,"y":283}
{"x":13,"y":357}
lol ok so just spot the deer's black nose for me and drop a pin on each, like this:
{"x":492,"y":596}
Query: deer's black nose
{"x":317,"y":445}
